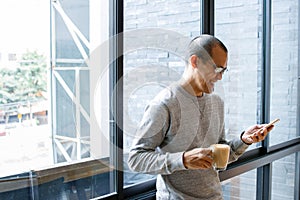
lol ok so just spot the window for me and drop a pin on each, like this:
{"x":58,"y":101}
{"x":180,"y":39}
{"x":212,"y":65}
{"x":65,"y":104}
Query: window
{"x":239,"y":26}
{"x":285,"y":70}
{"x":25,"y":135}
{"x":80,"y":95}
{"x":242,"y":187}
{"x":153,"y":57}
{"x":284,"y":177}
{"x":68,"y":138}
{"x":263,"y":59}
{"x":61,"y":143}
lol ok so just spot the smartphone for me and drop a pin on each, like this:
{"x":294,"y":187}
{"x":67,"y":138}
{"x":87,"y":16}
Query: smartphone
{"x":271,"y":123}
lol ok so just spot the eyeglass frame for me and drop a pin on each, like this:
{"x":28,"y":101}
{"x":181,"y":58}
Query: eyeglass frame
{"x":219,"y":69}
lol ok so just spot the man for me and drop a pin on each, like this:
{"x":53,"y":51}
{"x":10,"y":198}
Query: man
{"x":181,"y":123}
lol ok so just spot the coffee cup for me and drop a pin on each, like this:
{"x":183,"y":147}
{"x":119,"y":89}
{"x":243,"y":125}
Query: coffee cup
{"x":220,"y":154}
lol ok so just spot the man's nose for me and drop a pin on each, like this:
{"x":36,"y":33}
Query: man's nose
{"x":219,"y":76}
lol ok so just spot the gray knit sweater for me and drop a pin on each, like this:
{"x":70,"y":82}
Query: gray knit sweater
{"x":175,"y":122}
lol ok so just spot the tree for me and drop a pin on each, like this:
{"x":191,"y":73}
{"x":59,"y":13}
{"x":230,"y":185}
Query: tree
{"x":25,"y":82}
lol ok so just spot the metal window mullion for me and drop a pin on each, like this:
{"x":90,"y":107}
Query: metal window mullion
{"x":116,"y":91}
{"x":52,"y":84}
{"x":75,"y":33}
{"x":266,"y":68}
{"x":264,"y":174}
{"x":61,"y":148}
{"x":297,"y":156}
{"x":297,"y":176}
{"x":77,"y":120}
{"x":208,"y":17}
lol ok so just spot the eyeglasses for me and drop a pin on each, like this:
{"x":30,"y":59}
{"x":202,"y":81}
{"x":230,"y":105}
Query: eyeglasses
{"x":220,"y":70}
{"x":217,"y":69}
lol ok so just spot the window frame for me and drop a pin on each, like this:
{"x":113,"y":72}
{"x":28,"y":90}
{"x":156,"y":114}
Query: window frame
{"x":260,"y":158}
{"x":116,"y":18}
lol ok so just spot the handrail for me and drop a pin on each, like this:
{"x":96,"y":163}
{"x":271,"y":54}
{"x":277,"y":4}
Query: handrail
{"x":67,"y":172}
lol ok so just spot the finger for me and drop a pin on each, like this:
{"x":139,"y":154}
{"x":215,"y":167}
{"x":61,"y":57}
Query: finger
{"x":201,"y":166}
{"x":260,"y":135}
{"x":254,"y":135}
{"x":208,"y":159}
{"x":254,"y":138}
{"x":257,"y":127}
{"x":264,"y":132}
{"x":205,"y":156}
{"x":270,"y":128}
{"x":206,"y":164}
{"x":261,"y":126}
{"x":206,"y":152}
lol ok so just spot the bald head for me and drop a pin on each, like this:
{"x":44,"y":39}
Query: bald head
{"x":202,"y":46}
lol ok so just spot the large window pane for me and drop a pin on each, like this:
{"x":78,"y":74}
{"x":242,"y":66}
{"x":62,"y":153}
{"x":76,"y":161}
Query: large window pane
{"x":285,"y":69}
{"x":25,"y":136}
{"x":239,"y":24}
{"x":284,"y":178}
{"x":153,"y":56}
{"x":242,"y":187}
{"x":80,"y":70}
{"x":71,"y":157}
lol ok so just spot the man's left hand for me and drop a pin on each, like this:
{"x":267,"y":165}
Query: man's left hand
{"x":256,"y":133}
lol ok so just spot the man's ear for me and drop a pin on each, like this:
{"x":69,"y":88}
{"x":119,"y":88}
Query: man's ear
{"x":194,"y":61}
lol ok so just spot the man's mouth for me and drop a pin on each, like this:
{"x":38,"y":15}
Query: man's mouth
{"x":212,"y":84}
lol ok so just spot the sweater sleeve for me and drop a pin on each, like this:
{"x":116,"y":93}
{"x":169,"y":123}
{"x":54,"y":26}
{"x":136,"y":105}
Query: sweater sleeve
{"x":237,"y":147}
{"x":144,"y":154}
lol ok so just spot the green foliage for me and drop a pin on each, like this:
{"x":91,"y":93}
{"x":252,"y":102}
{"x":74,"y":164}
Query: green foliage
{"x":24,"y":83}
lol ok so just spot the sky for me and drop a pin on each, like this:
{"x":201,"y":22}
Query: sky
{"x":24,"y":25}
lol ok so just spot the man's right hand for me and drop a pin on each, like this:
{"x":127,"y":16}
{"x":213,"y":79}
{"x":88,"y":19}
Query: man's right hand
{"x":199,"y":158}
